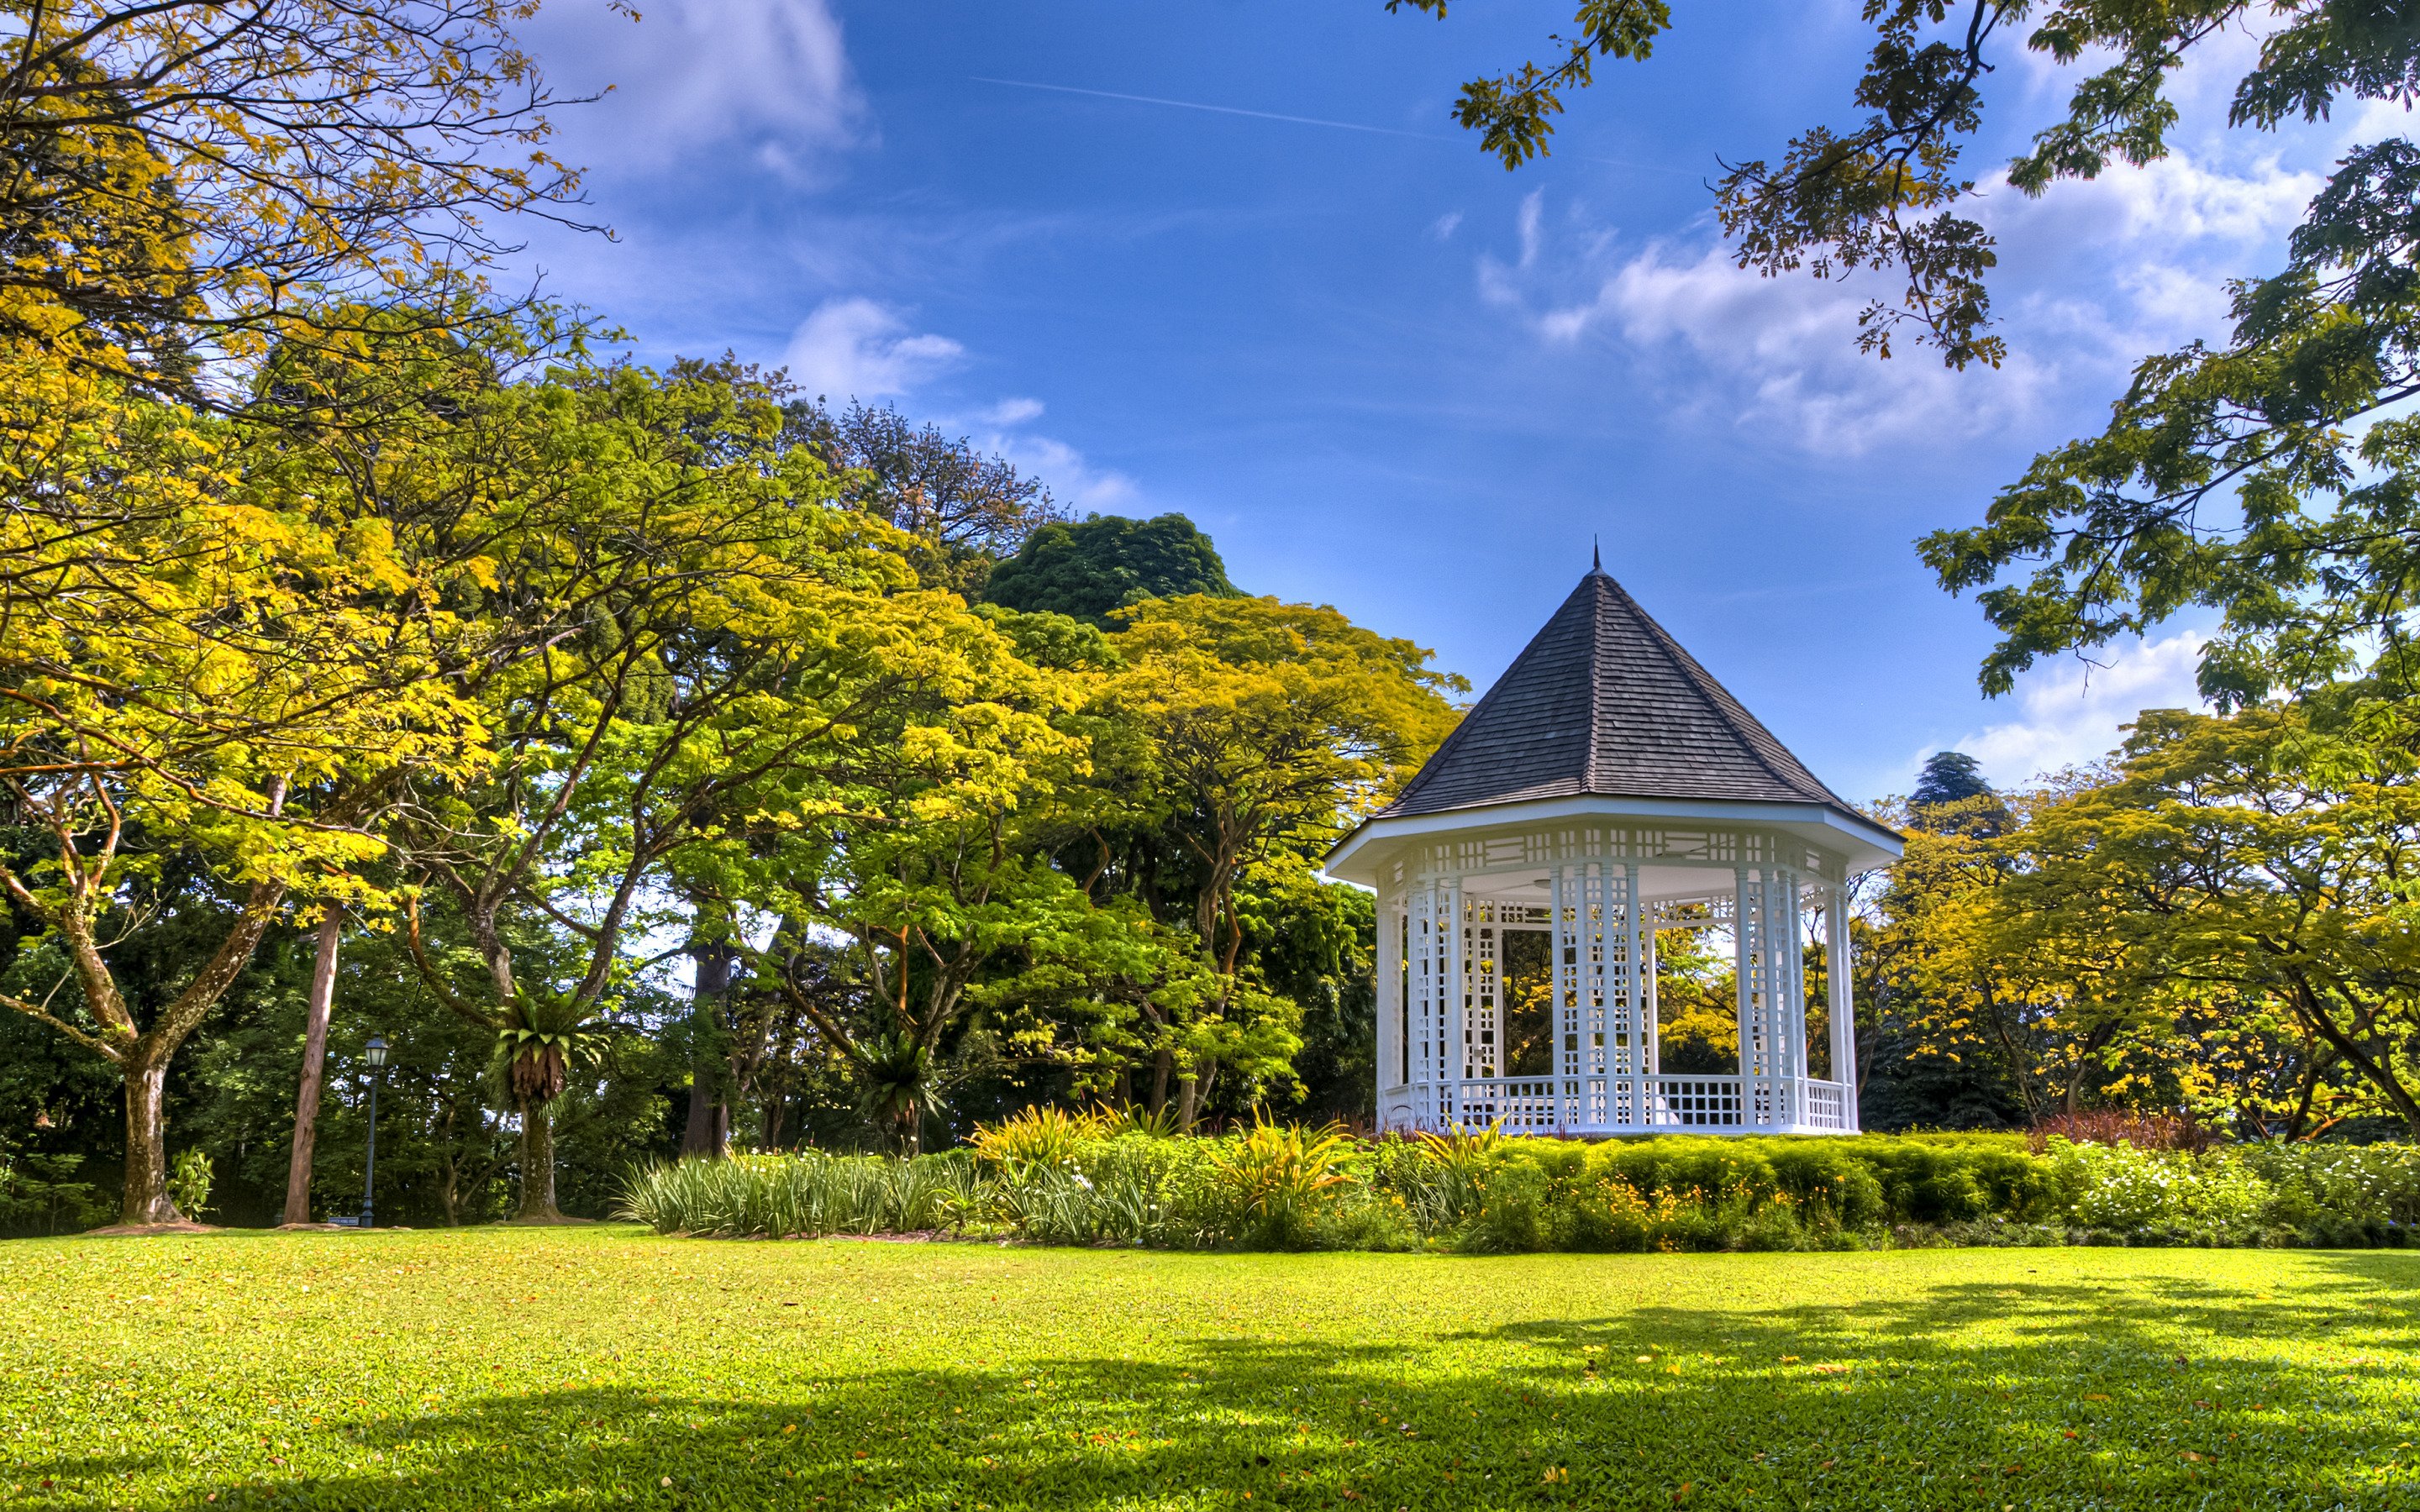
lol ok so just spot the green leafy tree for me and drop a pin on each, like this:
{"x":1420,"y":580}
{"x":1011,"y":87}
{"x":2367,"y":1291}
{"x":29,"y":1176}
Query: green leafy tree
{"x":931,"y":855}
{"x":1093,"y":568}
{"x":961,"y":511}
{"x":739,"y":632}
{"x":207,"y":657}
{"x":2256,"y":865}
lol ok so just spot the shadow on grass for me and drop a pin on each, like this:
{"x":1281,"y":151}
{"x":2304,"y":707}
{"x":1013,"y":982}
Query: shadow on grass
{"x":2146,"y":1393}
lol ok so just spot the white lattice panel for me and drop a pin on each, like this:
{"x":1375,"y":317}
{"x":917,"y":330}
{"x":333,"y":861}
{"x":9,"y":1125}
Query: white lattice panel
{"x":1697,"y":1101}
{"x":1522,"y":1105}
{"x":1563,"y":844}
{"x":1394,"y":1026}
{"x":1483,"y":990}
{"x":1772,"y":993}
{"x":1433,"y":955}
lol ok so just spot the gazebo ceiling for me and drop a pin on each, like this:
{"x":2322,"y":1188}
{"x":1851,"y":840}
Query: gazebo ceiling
{"x":1604,"y":703}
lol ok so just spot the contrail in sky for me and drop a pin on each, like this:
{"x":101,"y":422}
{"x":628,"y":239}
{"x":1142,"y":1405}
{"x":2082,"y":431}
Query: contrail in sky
{"x":1290,"y":120}
{"x":1217,"y":109}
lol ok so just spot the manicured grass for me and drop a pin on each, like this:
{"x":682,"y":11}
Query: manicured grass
{"x":603,"y":1367}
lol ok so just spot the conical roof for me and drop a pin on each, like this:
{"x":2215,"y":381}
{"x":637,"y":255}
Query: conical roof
{"x":1605,"y":701}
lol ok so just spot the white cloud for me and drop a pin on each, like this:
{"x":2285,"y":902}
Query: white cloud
{"x":1015,"y":411}
{"x":769,"y":76}
{"x":2071,"y":715}
{"x":1073,"y":480}
{"x":858,"y":349}
{"x":1445,"y":226}
{"x":2093,"y":276}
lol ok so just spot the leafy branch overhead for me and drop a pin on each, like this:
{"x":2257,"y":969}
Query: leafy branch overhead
{"x":1888,"y":190}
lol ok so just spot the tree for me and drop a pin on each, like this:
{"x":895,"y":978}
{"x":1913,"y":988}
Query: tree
{"x":2258,"y":862}
{"x":963,"y":510}
{"x":2268,"y":478}
{"x":732,"y":630}
{"x":937,"y":869}
{"x":330,"y":939}
{"x":1269,"y":726}
{"x":1948,"y":776}
{"x":200,"y":663}
{"x":2145,"y":936}
{"x":2271,"y":479}
{"x":1104,"y":562}
{"x":185,"y":174}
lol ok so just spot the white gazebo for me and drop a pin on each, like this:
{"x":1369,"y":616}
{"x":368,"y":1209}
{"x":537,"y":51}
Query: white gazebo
{"x":1604,"y":789}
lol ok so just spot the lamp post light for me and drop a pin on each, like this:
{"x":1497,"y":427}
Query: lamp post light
{"x":376,"y":1055}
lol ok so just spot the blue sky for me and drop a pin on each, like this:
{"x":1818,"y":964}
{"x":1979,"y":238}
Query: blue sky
{"x":1381,"y":371}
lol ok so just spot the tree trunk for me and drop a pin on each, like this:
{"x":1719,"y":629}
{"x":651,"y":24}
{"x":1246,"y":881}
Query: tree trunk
{"x":537,"y":1164}
{"x":1160,"y":1067}
{"x":707,"y":1132}
{"x":145,"y":1199}
{"x":315,"y":1061}
{"x":1189,"y":1094}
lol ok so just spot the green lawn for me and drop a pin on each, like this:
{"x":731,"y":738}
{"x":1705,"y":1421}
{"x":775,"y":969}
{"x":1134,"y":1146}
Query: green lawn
{"x":573,"y":1368}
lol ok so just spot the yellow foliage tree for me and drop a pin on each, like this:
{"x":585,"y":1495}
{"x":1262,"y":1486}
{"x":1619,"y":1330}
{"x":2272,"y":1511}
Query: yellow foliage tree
{"x":1269,"y":727}
{"x":189,"y":177}
{"x":193,"y":661}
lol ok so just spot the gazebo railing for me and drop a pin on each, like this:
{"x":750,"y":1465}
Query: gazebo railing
{"x":1621,"y":1104}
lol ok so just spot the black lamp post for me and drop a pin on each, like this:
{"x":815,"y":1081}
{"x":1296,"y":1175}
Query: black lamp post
{"x":377,"y":1049}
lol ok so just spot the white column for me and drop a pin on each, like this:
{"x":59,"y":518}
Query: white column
{"x":1391,"y":1005}
{"x":1589,"y":922}
{"x":1562,"y":996}
{"x":1771,"y":989}
{"x":1790,"y":957}
{"x":1452,"y":987}
{"x":1842,"y":1007}
{"x":1426,"y":964}
{"x":1648,"y":991}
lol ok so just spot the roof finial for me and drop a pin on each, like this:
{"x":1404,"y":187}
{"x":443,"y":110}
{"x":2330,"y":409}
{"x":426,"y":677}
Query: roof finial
{"x":1596,"y":556}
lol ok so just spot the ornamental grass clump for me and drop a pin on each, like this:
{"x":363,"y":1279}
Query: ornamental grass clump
{"x":1275,"y":1179}
{"x":1039,"y":1139}
{"x":800,"y":1195}
{"x":1113,"y":1191}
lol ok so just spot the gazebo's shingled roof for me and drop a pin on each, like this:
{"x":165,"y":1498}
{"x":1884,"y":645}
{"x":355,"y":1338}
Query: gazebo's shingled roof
{"x":1603,"y":700}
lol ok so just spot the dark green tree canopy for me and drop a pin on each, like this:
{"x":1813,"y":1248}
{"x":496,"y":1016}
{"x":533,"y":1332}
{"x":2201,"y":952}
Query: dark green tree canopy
{"x":1952,"y":798}
{"x":1948,"y":776}
{"x":1102,"y":563}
